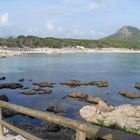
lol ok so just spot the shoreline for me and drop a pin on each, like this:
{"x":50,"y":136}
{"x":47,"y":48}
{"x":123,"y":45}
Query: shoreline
{"x":6,"y":51}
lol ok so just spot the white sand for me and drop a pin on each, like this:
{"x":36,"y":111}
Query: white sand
{"x":5,"y":51}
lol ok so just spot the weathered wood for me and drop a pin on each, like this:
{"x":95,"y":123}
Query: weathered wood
{"x":91,"y":130}
{"x":1,"y":126}
{"x":80,"y":135}
{"x":19,"y":131}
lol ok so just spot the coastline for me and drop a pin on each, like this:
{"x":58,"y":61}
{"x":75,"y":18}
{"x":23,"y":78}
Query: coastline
{"x":5,"y":51}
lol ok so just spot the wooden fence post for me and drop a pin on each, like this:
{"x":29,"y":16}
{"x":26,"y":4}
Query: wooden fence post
{"x":80,"y":135}
{"x":1,"y":126}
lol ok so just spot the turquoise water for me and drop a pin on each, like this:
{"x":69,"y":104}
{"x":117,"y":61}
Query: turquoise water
{"x":120,"y":70}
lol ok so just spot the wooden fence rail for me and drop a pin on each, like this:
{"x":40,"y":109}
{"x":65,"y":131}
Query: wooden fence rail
{"x":83,"y":129}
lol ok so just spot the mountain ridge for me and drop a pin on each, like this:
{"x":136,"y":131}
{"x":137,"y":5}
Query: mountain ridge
{"x":126,"y":33}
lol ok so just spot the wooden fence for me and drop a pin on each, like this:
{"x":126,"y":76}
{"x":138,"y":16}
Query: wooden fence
{"x":83,"y":129}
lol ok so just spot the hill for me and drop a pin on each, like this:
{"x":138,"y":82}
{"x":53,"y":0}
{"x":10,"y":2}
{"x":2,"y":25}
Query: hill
{"x":126,"y":33}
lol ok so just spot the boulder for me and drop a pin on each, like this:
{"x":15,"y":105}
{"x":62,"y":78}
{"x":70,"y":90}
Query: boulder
{"x":9,"y":113}
{"x":129,"y":94}
{"x":137,"y":85}
{"x":123,"y":116}
{"x":79,"y":95}
{"x":36,"y":91}
{"x":101,"y":83}
{"x":21,"y":80}
{"x":44,"y":84}
{"x":28,"y":92}
{"x":2,"y":78}
{"x":4,"y":98}
{"x":10,"y":85}
{"x":74,"y":83}
{"x":42,"y":91}
{"x":92,"y":99}
{"x":55,"y":109}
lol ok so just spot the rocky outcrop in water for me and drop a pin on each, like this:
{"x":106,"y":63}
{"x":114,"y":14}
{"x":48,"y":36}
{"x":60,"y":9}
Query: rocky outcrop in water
{"x":2,"y":78}
{"x":44,"y":84}
{"x":124,"y":117}
{"x":48,"y":130}
{"x":78,"y":95}
{"x":129,"y":94}
{"x":4,"y":98}
{"x":55,"y":109}
{"x":137,"y":85}
{"x":21,"y":80}
{"x":75,"y":83}
{"x":36,"y":91}
{"x":10,"y":85}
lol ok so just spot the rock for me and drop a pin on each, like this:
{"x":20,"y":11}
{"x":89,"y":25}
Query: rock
{"x":92,"y":99}
{"x":42,"y":91}
{"x":78,"y":95}
{"x":74,"y":83}
{"x":36,"y":91}
{"x":47,"y":130}
{"x":28,"y":92}
{"x":101,"y":83}
{"x":2,"y":78}
{"x":137,"y":85}
{"x":4,"y":98}
{"x":129,"y":94}
{"x":21,"y":80}
{"x":9,"y":113}
{"x":51,"y":127}
{"x":123,"y":116}
{"x":44,"y":84}
{"x":55,"y":109}
{"x":10,"y":85}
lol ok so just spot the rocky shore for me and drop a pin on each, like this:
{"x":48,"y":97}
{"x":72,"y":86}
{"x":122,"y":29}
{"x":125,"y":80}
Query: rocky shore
{"x":95,"y":109}
{"x":5,"y":51}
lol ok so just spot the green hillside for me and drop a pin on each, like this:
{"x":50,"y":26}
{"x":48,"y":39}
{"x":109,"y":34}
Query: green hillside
{"x":126,"y":37}
{"x":126,"y":33}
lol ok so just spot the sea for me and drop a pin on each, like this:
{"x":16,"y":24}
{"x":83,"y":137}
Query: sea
{"x":121,"y":70}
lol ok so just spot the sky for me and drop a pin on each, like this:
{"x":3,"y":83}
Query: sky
{"x":84,"y":19}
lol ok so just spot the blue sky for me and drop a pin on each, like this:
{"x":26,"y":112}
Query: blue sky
{"x":89,"y":19}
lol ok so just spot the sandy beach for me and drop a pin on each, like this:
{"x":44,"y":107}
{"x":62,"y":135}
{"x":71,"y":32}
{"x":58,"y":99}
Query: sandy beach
{"x":5,"y":51}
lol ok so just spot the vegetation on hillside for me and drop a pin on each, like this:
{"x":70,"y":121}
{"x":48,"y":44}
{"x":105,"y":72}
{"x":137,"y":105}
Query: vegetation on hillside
{"x":126,"y":37}
{"x":33,"y":41}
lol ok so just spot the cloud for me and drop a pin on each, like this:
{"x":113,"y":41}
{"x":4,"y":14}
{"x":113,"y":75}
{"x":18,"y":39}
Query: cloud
{"x":4,"y":19}
{"x":98,"y":5}
{"x":53,"y":27}
{"x":50,"y":26}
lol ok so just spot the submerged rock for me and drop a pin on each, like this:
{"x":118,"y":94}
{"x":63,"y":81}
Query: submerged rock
{"x":55,"y":109}
{"x":4,"y":98}
{"x":92,"y":99}
{"x":48,"y":130}
{"x":28,"y":92}
{"x":21,"y":80}
{"x":10,"y":85}
{"x":129,"y":94}
{"x":9,"y":113}
{"x":36,"y":91}
{"x":2,"y":78}
{"x":44,"y":84}
{"x":124,"y":116}
{"x":79,"y":95}
{"x":74,"y":83}
{"x":137,"y":85}
{"x":42,"y":91}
